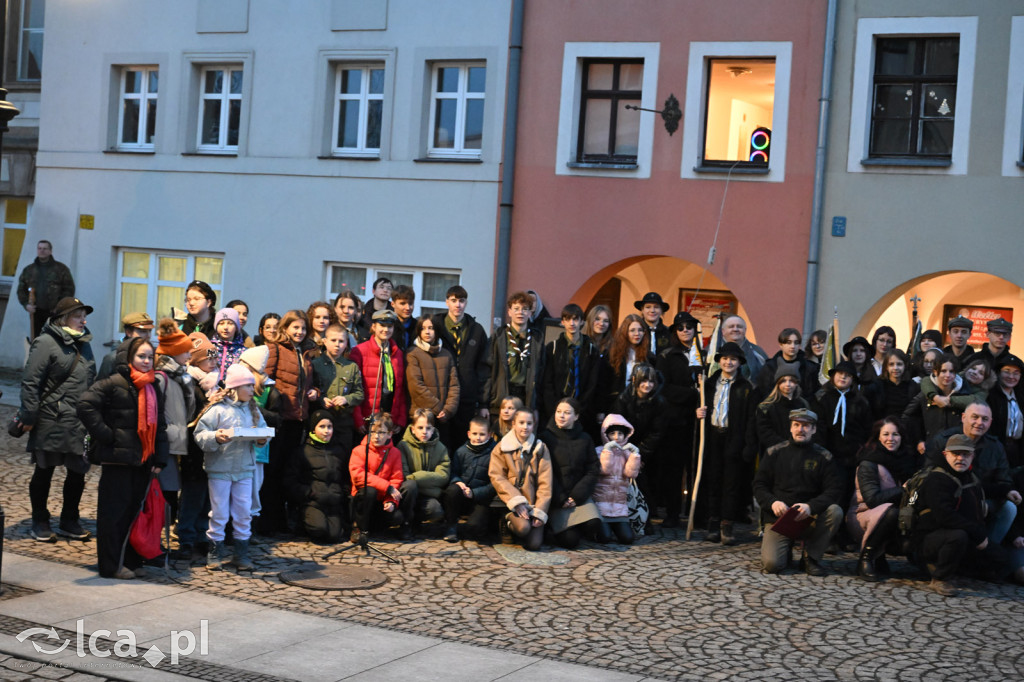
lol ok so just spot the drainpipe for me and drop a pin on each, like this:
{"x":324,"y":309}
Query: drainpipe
{"x":508,"y":166}
{"x":817,"y":207}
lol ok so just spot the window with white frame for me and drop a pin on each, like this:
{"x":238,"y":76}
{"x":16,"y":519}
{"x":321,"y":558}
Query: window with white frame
{"x":155,"y":281}
{"x":220,"y":108}
{"x":608,"y":132}
{"x":30,"y":39}
{"x":358,"y":109}
{"x":16,"y":212}
{"x":457,"y":109}
{"x":1013,"y":132}
{"x":597,"y":135}
{"x":136,"y":122}
{"x":430,"y":285}
{"x":736,"y":112}
{"x":910,"y":105}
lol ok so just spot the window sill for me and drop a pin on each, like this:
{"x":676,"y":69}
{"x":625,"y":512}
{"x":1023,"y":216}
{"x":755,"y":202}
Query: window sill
{"x":348,"y":157}
{"x":926,"y":163}
{"x":449,"y":159}
{"x":144,"y":152}
{"x":602,"y":166}
{"x":229,"y":154}
{"x":737,"y":170}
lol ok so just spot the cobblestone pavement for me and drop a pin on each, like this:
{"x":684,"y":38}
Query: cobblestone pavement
{"x":663,"y":608}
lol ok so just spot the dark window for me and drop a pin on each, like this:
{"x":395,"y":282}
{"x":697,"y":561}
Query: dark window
{"x":609,"y":133}
{"x":914,"y":99}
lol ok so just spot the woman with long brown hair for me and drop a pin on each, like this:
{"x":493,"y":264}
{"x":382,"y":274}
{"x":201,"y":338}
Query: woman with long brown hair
{"x":627,"y":350}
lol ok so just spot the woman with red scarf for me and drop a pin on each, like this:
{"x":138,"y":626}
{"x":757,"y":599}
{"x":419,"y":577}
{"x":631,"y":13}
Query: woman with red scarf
{"x":124,"y":414}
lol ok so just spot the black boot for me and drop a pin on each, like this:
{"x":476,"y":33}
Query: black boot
{"x":866,"y":565}
{"x":714,"y":534}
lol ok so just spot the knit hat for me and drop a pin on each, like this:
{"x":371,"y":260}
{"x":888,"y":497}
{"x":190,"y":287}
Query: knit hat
{"x":227,"y":314}
{"x":256,"y":357}
{"x":787,"y":369}
{"x":317,"y":417}
{"x":237,"y":375}
{"x":201,"y":348}
{"x":172,"y":340}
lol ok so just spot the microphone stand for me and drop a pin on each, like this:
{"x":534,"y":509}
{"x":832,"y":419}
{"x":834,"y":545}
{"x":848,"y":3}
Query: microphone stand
{"x":363,"y":541}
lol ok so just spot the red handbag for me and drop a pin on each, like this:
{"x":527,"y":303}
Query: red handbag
{"x":145,"y":533}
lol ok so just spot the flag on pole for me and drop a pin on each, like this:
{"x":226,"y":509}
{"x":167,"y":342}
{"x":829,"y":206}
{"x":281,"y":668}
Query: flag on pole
{"x":713,"y":345}
{"x":915,"y":341}
{"x":830,"y":357}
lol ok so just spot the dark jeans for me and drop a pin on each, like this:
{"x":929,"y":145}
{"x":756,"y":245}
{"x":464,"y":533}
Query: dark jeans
{"x":283,"y":448}
{"x":946,"y":552}
{"x":456,"y":504}
{"x":119,"y":499}
{"x":368,"y":512}
{"x":620,"y":531}
{"x":39,"y":492}
{"x":193,"y":511}
{"x":722,"y":476}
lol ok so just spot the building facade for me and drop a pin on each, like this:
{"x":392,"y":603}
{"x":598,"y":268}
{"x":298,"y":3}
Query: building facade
{"x":280,"y":151}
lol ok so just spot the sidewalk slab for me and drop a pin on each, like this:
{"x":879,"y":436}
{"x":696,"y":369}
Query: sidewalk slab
{"x":449,"y":662}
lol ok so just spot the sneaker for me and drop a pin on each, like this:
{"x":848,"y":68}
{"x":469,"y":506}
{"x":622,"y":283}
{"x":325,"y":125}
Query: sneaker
{"x":72,"y":529}
{"x":942,"y":587}
{"x":41,"y":531}
{"x":451,"y":534}
{"x":124,"y":573}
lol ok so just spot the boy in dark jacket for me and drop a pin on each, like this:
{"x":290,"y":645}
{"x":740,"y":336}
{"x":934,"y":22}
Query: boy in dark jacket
{"x":340,"y":384}
{"x":571,"y":368}
{"x":844,"y":421}
{"x":470,"y":489}
{"x":318,"y":482}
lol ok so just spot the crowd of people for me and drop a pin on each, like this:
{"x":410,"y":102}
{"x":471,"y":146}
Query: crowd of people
{"x":349,"y":419}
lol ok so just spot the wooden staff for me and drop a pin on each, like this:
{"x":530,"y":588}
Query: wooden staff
{"x":700,"y":465}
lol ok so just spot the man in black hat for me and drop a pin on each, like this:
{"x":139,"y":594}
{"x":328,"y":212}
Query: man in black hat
{"x":43,"y":283}
{"x":799,"y":473}
{"x":729,"y":405}
{"x":949,"y":535}
{"x":959,"y":330}
{"x":651,"y":307}
{"x":999,"y":333}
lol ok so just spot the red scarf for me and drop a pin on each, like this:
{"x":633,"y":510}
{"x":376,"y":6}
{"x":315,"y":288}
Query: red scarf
{"x":147,"y":410}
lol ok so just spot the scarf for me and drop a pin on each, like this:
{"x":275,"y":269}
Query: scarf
{"x":456,"y":329}
{"x":389,"y":371}
{"x":143,"y":382}
{"x":517,"y":354}
{"x":73,"y":333}
{"x":840,"y":413}
{"x":424,"y":346}
{"x":572,"y":380}
{"x":720,"y":415}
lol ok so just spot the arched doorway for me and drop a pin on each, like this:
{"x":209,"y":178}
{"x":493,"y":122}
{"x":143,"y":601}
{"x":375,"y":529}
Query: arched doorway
{"x":682,"y":284}
{"x":941,"y":296}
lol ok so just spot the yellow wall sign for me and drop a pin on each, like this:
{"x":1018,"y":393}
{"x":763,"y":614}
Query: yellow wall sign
{"x":86,"y":222}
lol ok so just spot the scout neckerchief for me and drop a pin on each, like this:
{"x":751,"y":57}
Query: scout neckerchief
{"x":516,"y":354}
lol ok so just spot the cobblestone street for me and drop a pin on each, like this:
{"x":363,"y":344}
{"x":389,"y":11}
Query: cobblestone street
{"x":663,"y":608}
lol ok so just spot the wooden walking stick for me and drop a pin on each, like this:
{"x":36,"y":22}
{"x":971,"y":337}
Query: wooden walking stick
{"x":700,"y":465}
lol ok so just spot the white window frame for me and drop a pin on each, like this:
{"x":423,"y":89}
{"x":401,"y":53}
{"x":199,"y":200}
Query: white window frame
{"x":225,"y":97}
{"x":1013,"y":135}
{"x":364,"y":97}
{"x":861,"y":101}
{"x":372,"y":271}
{"x":569,"y":108}
{"x":23,"y":33}
{"x":143,"y":98}
{"x":153,"y":282}
{"x":695,"y":108}
{"x":462,"y":96}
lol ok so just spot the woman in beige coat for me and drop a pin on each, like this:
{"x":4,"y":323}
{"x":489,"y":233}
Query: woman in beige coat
{"x":520,"y":471}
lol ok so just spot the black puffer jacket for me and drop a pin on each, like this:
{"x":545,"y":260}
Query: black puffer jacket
{"x":649,"y":417}
{"x":316,"y":481}
{"x":574,"y":463}
{"x":110,"y":412}
{"x":470,"y":466}
{"x":50,"y":360}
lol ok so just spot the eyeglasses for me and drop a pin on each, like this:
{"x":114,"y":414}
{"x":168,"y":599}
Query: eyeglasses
{"x":380,"y":433}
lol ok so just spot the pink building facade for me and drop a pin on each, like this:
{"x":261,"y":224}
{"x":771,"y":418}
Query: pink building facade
{"x":608,"y":205}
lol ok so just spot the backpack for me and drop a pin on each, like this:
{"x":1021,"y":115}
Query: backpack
{"x":909,"y":510}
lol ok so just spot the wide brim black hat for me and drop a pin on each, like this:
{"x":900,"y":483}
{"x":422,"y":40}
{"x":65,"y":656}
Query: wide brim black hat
{"x":651,"y":297}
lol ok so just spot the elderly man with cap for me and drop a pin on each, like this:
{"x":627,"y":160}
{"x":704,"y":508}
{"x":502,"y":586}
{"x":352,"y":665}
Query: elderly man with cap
{"x":728,"y":453}
{"x":651,"y":308}
{"x":799,"y":475}
{"x":949,"y":535}
{"x":59,"y":369}
{"x":382,"y":366}
{"x":1006,"y":399}
{"x":959,"y":330}
{"x":132,"y":324}
{"x":999,"y":333}
{"x":990,"y":465}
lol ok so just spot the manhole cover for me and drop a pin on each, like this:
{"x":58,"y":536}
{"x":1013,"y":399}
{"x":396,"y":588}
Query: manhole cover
{"x":335,"y":578}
